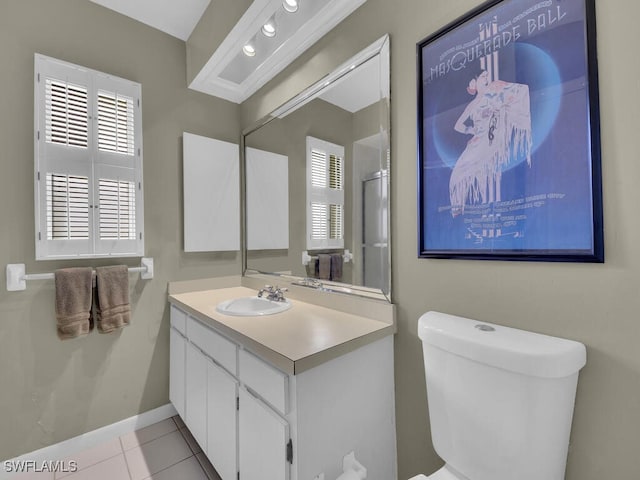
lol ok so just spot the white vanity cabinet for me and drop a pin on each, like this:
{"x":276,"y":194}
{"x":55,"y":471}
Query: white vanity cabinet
{"x":256,"y":422}
{"x":234,"y":427}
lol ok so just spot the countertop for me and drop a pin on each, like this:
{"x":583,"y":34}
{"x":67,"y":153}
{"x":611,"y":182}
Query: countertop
{"x":293,"y":341}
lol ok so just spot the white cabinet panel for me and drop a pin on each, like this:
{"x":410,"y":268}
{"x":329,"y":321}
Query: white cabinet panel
{"x":222,"y":391}
{"x":263,"y":438}
{"x":267,"y":200}
{"x":179,"y":320}
{"x":211,"y":194}
{"x":196,"y":395}
{"x":177,"y":352}
{"x":266,"y":381}
{"x":213,"y":344}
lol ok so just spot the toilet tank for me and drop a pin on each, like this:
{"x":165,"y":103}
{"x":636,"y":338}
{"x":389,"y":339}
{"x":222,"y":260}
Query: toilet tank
{"x":500,"y":399}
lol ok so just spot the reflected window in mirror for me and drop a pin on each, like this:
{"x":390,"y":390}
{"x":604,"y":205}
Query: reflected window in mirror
{"x":325,"y":194}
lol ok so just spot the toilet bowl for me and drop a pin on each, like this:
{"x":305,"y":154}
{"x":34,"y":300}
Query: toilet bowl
{"x":500,"y":399}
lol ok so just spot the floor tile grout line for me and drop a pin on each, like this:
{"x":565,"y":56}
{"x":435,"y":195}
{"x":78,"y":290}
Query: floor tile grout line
{"x":70,"y":476}
{"x":204,"y":469}
{"x":55,"y":475}
{"x":179,"y":461}
{"x":188,"y":443}
{"x":123,"y":451}
{"x":175,"y":422}
{"x":170,"y":466}
{"x":139,"y":445}
{"x":126,"y":462}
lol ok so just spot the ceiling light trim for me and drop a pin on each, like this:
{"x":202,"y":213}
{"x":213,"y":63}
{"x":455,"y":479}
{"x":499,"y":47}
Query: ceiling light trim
{"x":260,"y":11}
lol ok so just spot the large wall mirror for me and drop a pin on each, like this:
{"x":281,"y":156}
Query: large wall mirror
{"x":316,"y":183}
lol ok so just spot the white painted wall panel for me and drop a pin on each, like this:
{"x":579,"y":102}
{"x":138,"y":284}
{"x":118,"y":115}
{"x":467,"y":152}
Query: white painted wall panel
{"x":267,"y":200}
{"x":211,"y":194}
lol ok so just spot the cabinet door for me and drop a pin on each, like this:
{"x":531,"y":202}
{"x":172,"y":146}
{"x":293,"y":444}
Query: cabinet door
{"x":222,"y":425}
{"x":263,"y":438}
{"x":196,"y":395}
{"x":177,"y":352}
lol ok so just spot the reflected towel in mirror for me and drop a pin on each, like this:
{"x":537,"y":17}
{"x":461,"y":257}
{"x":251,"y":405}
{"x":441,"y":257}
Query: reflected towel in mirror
{"x":336,"y":266}
{"x":324,"y":266}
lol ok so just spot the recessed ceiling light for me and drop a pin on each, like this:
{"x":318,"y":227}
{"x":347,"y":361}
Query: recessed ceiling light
{"x":249,"y":50}
{"x":269,"y":29}
{"x":290,"y":5}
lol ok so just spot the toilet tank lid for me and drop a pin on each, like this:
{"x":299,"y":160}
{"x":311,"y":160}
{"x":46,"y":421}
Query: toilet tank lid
{"x":519,"y":351}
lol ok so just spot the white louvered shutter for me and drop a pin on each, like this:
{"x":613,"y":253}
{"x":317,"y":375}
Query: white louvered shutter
{"x":118,"y":167}
{"x":87,"y":153}
{"x":325,"y":195}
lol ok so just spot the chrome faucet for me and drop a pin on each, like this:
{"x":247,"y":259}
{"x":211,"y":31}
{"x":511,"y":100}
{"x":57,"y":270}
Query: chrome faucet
{"x":275,"y":294}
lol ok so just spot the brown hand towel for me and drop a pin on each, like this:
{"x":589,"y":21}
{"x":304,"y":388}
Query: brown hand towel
{"x":112,"y":298}
{"x":73,"y":301}
{"x":324,"y":266}
{"x":336,"y":267}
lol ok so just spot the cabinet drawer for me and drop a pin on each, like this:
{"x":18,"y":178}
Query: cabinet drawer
{"x":179,"y":320}
{"x":223,"y":351}
{"x":268,"y":382}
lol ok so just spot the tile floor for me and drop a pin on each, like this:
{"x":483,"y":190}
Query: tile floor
{"x":163,"y":451}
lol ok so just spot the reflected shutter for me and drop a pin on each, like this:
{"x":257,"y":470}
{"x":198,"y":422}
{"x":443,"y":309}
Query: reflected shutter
{"x":325,"y":195}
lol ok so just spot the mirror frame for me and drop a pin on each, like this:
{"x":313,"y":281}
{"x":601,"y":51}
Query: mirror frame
{"x":379,"y":47}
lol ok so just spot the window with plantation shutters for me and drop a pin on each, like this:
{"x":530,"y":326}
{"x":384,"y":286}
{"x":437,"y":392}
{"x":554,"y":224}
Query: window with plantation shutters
{"x":325,"y":195}
{"x":88,"y":163}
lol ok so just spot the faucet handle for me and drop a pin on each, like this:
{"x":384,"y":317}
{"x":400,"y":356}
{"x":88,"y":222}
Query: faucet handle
{"x":277,"y":294}
{"x":266,"y":288}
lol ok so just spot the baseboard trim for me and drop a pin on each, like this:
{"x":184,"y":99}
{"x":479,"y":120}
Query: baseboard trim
{"x":67,"y":448}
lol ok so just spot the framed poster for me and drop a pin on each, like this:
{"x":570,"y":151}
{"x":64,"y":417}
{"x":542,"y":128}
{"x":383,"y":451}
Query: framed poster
{"x":508,"y":134}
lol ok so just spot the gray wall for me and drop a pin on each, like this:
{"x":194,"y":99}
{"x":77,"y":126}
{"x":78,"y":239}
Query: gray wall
{"x":52,"y":390}
{"x":595,"y":304}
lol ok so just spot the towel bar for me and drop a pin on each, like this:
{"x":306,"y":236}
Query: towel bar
{"x":17,"y":276}
{"x":306,"y":258}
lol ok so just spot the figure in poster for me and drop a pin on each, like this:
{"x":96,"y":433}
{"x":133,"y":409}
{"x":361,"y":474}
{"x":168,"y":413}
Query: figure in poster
{"x":499,"y":120}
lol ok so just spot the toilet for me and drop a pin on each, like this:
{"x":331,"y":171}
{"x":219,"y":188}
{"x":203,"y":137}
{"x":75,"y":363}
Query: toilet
{"x":500,"y":399}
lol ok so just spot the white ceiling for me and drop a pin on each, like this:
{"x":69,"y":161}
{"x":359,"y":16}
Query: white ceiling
{"x":355,"y":91}
{"x":175,"y":17}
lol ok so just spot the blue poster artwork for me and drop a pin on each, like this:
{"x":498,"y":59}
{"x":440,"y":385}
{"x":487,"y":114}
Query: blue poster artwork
{"x":507,"y":134}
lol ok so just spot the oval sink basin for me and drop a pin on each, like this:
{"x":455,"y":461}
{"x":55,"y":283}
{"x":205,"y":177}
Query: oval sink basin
{"x":252,"y":306}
